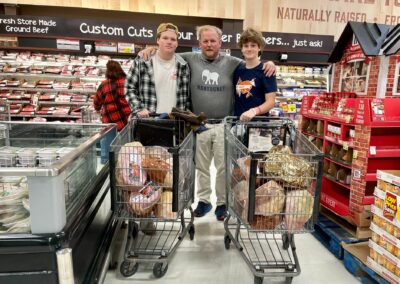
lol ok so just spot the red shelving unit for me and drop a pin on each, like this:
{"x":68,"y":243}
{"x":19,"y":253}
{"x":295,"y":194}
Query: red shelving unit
{"x":370,"y":129}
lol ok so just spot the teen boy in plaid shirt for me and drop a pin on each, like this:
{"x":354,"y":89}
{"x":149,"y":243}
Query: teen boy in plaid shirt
{"x":157,"y":85}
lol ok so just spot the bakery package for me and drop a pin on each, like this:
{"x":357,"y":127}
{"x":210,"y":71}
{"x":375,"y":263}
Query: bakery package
{"x":163,"y":208}
{"x":142,"y":202}
{"x":129,"y":173}
{"x":286,"y":166}
{"x":298,"y":210}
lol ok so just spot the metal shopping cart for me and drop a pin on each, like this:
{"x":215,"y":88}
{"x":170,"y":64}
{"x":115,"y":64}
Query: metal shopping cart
{"x":152,"y":184}
{"x":273,"y":184}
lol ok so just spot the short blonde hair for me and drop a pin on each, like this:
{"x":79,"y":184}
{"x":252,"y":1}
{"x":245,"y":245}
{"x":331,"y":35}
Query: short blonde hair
{"x":201,"y":29}
{"x":167,"y":27}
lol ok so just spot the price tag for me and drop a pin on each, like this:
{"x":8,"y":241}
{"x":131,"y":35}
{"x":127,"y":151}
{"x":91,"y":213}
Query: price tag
{"x":345,"y":146}
{"x":291,"y":108}
{"x":372,"y":150}
{"x":355,"y":154}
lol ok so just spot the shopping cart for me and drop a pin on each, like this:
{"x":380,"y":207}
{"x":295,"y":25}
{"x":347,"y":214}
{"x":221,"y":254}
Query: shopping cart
{"x":273,"y":184}
{"x":153,"y":187}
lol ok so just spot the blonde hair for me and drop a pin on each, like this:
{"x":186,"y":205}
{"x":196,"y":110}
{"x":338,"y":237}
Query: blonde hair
{"x":201,"y":29}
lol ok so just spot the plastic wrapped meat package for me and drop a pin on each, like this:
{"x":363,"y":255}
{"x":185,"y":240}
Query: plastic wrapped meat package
{"x":129,"y":174}
{"x":142,"y":203}
{"x":299,"y":209}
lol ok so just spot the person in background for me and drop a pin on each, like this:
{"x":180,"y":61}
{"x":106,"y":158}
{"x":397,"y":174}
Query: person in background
{"x":255,"y":93}
{"x":110,"y":97}
{"x":159,"y":84}
{"x":211,"y":91}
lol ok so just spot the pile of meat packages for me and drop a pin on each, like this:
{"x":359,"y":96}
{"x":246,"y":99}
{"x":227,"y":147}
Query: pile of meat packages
{"x":144,"y":175}
{"x":284,"y":194}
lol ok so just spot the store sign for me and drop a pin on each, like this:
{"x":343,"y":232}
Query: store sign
{"x":145,"y":33}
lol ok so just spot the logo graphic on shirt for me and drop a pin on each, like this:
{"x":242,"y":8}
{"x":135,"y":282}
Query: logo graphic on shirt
{"x":244,"y":87}
{"x":210,"y":78}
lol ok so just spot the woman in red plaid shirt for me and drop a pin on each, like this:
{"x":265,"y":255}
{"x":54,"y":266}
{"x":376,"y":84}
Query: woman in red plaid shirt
{"x":110,"y":97}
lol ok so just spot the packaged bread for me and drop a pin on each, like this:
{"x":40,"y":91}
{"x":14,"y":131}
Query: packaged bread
{"x":164,"y":206}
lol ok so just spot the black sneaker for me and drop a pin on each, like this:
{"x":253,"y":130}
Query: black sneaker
{"x":220,"y":212}
{"x":202,"y":209}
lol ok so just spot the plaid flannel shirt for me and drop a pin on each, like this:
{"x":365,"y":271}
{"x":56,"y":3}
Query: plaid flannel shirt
{"x":140,"y":90}
{"x":114,"y":107}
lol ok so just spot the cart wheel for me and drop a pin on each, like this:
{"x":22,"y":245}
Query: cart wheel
{"x":227,"y":241}
{"x":285,"y":240}
{"x":158,"y":270}
{"x":128,"y":268}
{"x":191,"y":232}
{"x":289,"y":280}
{"x":258,"y":280}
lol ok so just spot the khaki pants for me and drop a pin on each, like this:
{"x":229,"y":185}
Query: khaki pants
{"x":209,"y":145}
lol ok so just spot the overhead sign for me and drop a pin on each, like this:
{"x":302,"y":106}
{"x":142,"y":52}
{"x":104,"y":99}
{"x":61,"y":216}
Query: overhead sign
{"x":145,"y":33}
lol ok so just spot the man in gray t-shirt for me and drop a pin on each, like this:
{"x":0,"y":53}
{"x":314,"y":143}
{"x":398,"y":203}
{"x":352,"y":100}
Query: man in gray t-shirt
{"x":211,"y":89}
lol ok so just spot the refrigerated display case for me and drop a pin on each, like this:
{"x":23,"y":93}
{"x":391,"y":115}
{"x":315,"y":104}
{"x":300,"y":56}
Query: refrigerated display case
{"x":55,"y":205}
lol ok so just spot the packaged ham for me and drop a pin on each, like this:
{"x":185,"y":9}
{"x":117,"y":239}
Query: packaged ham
{"x":156,"y":168}
{"x":142,"y":202}
{"x":240,"y":198}
{"x":270,"y":199}
{"x":128,"y":172}
{"x":299,"y":208}
{"x":244,"y":165}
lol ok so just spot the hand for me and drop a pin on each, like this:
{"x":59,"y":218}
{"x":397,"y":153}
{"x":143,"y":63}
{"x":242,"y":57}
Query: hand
{"x":248,"y":115}
{"x":143,"y":113}
{"x":148,"y":52}
{"x":269,"y":68}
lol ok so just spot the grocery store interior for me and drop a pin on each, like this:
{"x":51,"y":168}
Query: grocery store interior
{"x":312,"y":192}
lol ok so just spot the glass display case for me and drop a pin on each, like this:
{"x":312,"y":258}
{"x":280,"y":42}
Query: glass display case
{"x":54,"y":194}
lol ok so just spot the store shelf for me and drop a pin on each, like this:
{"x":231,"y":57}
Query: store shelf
{"x":52,"y":90}
{"x":368,"y":200}
{"x":370,"y":177}
{"x":339,"y":141}
{"x":340,"y":163}
{"x":313,"y":135}
{"x":53,"y":76}
{"x":387,"y":152}
{"x":332,"y":179}
{"x":335,"y":201}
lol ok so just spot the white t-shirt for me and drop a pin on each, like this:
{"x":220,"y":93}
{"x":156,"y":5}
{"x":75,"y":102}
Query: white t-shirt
{"x":165,"y":80}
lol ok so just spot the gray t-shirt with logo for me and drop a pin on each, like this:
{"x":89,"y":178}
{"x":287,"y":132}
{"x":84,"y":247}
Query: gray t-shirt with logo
{"x":211,"y":84}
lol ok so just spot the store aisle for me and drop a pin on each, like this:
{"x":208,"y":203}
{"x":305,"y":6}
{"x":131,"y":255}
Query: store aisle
{"x":206,"y":261}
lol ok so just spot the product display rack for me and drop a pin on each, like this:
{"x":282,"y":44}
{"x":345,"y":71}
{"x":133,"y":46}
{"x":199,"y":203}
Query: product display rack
{"x":55,"y":108}
{"x":358,"y":136}
{"x":294,"y":82}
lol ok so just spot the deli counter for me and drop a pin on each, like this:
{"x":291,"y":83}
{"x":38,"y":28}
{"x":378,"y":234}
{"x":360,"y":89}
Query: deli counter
{"x":56,"y":222}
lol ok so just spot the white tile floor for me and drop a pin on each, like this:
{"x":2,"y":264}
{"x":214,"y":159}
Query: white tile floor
{"x":205,"y":260}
